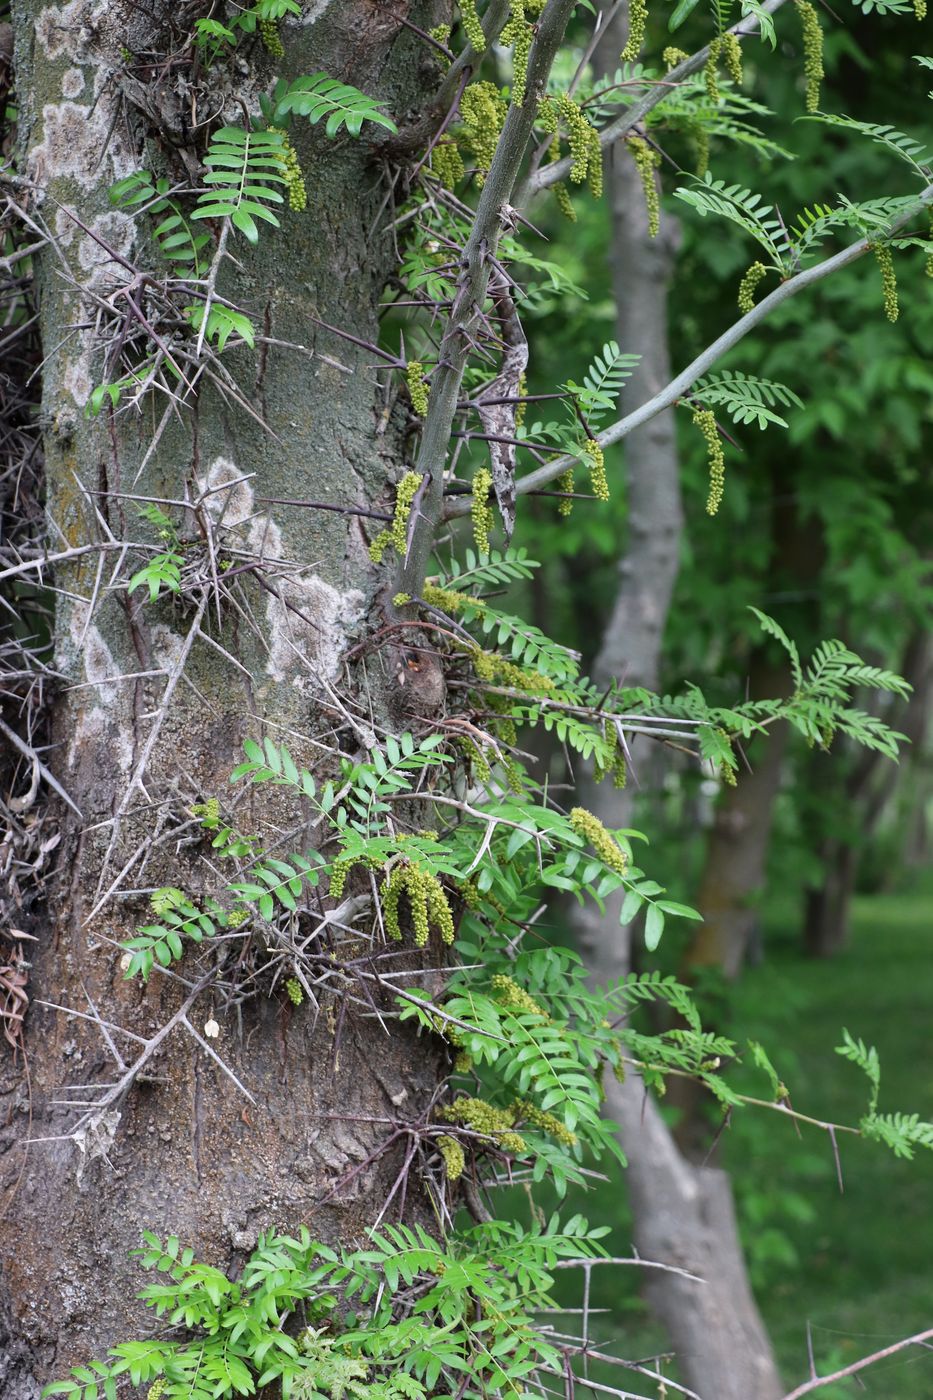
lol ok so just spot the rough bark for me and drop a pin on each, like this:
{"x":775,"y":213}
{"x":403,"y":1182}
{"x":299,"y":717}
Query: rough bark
{"x":185,"y":1152}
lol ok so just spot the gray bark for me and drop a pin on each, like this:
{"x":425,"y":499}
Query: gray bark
{"x":683,"y":1214}
{"x":185,"y":1152}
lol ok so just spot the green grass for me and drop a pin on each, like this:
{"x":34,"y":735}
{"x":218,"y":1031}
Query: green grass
{"x":854,"y":1265}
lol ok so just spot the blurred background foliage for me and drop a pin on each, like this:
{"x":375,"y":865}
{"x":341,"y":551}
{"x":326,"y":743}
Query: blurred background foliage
{"x":829,"y":528}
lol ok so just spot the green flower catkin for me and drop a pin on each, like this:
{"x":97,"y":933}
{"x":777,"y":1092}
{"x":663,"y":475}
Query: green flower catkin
{"x":732,"y":57}
{"x":447,"y":163}
{"x":291,"y":169}
{"x":587,"y":825}
{"x":271,"y":38}
{"x":647,"y":160}
{"x":748,"y":285}
{"x":480,"y":510}
{"x":471,"y":25}
{"x":597,"y":465}
{"x":295,"y":991}
{"x":812,"y":52}
{"x":565,"y":483}
{"x":706,"y":422}
{"x":452,"y":1153}
{"x":483,"y":112}
{"x":518,"y":35}
{"x":579,"y":135}
{"x":672,"y":56}
{"x":885,"y":262}
{"x":711,"y":71}
{"x":417,"y":387}
{"x":484,"y":1118}
{"x":637,"y":19}
{"x":397,"y":532}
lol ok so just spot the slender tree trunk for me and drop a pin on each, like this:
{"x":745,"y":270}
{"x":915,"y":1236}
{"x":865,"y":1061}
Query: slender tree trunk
{"x":683,"y":1214}
{"x":159,"y":699}
{"x":868,"y":791}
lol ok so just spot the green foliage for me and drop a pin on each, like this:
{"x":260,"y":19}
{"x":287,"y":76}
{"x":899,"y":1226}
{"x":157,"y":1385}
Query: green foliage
{"x":179,"y":244}
{"x":745,"y":398}
{"x":321,"y":98}
{"x":245,"y":169}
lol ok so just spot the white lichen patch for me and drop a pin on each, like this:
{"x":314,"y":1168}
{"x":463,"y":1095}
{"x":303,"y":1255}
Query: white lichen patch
{"x":80,"y":142}
{"x":103,"y":732}
{"x":77,"y":380}
{"x":226,"y":503}
{"x":76,"y":30}
{"x":166,"y":646}
{"x":115,"y":233}
{"x":100,"y":668}
{"x":308,"y":623}
{"x":72,"y":83}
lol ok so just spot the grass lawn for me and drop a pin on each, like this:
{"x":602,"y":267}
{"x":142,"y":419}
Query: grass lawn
{"x":856,"y":1266}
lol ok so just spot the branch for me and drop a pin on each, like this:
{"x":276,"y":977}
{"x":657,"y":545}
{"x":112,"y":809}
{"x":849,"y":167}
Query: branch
{"x":551,"y":174}
{"x":493,"y":211}
{"x":818,"y":1382}
{"x":669,"y":395}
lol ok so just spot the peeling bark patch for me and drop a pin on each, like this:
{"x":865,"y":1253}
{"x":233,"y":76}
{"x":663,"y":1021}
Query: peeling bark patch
{"x":73,"y":139}
{"x":71,"y":29}
{"x":116,"y":230}
{"x":230,"y":507}
{"x":72,"y":83}
{"x":99,"y":665}
{"x":308,"y":623}
{"x":77,"y":380}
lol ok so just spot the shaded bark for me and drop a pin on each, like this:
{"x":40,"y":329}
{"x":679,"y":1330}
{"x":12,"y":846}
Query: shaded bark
{"x":184,"y":1151}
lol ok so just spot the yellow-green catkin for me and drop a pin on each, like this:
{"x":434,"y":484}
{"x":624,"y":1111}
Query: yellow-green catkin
{"x":812,"y":52}
{"x":587,"y":825}
{"x":578,"y":135}
{"x":672,"y":56}
{"x":484,"y":1118}
{"x":748,"y":285}
{"x":271,"y":38}
{"x":417,"y":387}
{"x":699,"y":137}
{"x":705,"y":420}
{"x":594,"y":169}
{"x":452,"y":1153}
{"x":612,"y":760}
{"x":450,"y":600}
{"x":647,"y":160}
{"x":711,"y":71}
{"x":885,"y":262}
{"x":294,"y":179}
{"x":157,"y":1389}
{"x":447,"y":163}
{"x":471,"y":25}
{"x":482,"y":111}
{"x":547,"y":1122}
{"x":565,"y":483}
{"x":498,"y":670}
{"x":404,"y":495}
{"x":427,"y":901}
{"x":480,"y":510}
{"x":441,"y":34}
{"x":510,"y":995}
{"x":920,"y":9}
{"x":564,"y":202}
{"x":295,"y":991}
{"x":637,"y":19}
{"x":597,"y":465}
{"x":521,"y":406}
{"x":518,"y":35}
{"x":732,"y":57}
{"x":929,"y":262}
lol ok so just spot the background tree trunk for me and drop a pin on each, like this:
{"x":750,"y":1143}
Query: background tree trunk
{"x":683,"y":1214}
{"x":154,"y":715}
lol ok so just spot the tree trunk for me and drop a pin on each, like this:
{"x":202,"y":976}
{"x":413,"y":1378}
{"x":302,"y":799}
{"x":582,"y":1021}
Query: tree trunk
{"x":868,"y":791}
{"x":683,"y":1214}
{"x":159,"y":698}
